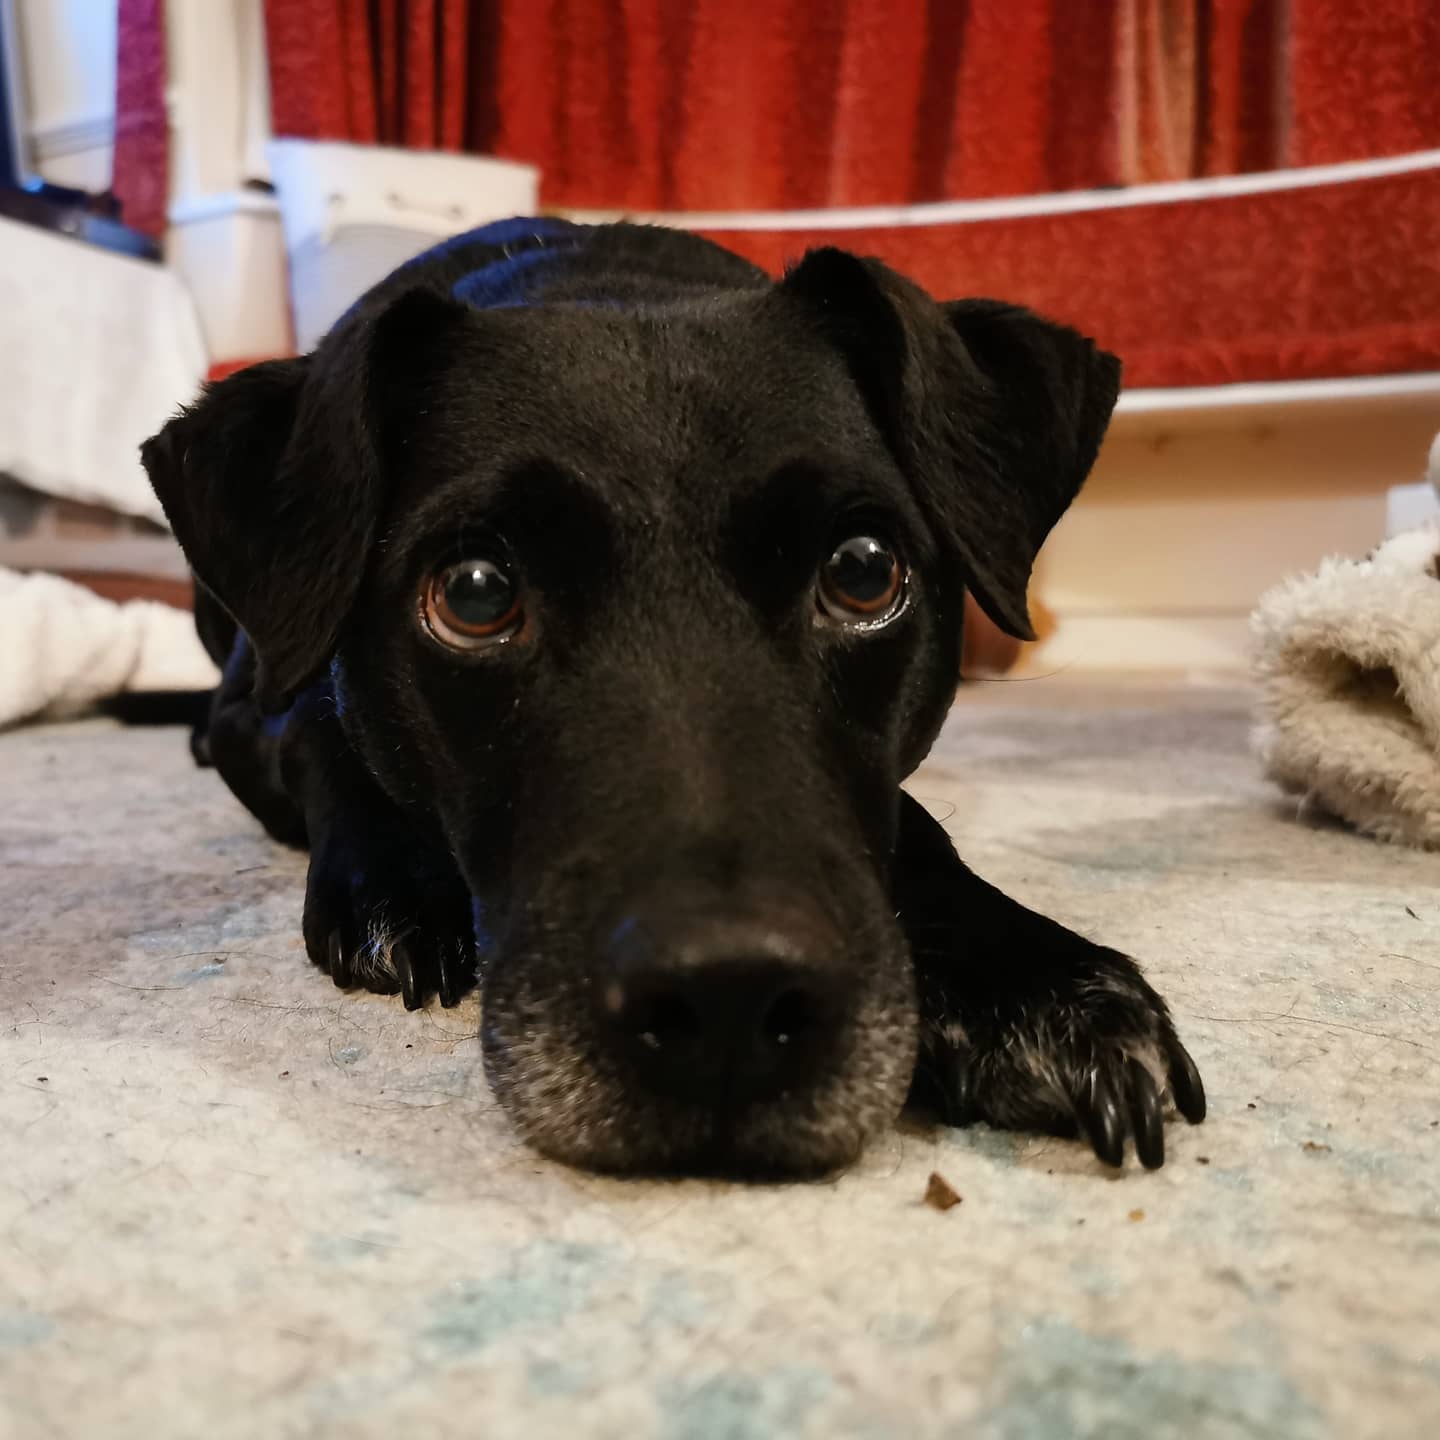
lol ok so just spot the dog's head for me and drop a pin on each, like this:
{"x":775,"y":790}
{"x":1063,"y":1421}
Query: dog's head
{"x":648,"y":611}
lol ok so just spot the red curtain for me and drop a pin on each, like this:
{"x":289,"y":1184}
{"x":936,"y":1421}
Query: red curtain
{"x":1321,"y":280}
{"x":141,"y":176}
{"x":720,"y":104}
{"x":1363,"y":78}
{"x":744,"y":104}
{"x":730,"y":104}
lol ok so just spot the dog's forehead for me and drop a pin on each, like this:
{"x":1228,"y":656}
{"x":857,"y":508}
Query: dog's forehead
{"x":640,"y":392}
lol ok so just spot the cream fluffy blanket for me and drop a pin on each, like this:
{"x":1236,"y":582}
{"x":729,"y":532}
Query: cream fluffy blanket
{"x":63,"y":648}
{"x":1349,"y":663}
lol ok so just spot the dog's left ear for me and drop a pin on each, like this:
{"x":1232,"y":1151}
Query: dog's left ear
{"x":995,"y":413}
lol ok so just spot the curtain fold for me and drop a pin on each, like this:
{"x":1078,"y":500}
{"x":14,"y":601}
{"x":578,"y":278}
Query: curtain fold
{"x":770,"y":104}
{"x":719,"y":104}
{"x":761,"y":104}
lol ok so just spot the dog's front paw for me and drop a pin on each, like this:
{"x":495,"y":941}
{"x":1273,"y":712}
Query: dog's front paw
{"x":384,"y":924}
{"x":1086,"y":1046}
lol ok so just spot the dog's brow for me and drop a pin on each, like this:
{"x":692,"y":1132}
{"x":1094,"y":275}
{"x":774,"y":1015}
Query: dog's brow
{"x":526,"y":496}
{"x":802,"y":495}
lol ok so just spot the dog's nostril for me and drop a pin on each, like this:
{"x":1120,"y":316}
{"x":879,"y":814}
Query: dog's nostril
{"x":792,"y":1018}
{"x":659,"y":1021}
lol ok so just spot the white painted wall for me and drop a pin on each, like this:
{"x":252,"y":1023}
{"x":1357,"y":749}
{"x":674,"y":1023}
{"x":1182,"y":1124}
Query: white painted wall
{"x":67,"y":60}
{"x":219,"y":97}
{"x":225,"y":239}
{"x":1194,"y":511}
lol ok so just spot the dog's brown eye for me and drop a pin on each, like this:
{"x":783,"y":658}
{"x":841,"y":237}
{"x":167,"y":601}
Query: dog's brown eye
{"x":861,"y":581}
{"x":471,"y":605}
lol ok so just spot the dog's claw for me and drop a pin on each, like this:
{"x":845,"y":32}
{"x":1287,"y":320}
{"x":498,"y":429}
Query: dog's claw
{"x":1186,"y":1085}
{"x":1107,"y":1078}
{"x":339,"y":960}
{"x":404,"y":963}
{"x":384,"y":921}
{"x":1147,"y":1115}
{"x":1099,"y":1113}
{"x":450,"y":962}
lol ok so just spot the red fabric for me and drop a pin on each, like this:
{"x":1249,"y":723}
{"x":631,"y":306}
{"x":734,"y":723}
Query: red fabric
{"x":222,"y":369}
{"x":1300,"y":283}
{"x":1240,"y":100}
{"x":790,"y":104}
{"x":1363,"y":79}
{"x":760,"y":104}
{"x":717,"y":104}
{"x":141,"y":173}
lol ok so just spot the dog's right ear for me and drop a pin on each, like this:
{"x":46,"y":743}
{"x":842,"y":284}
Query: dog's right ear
{"x":271,"y":482}
{"x":219,"y":471}
{"x":273,"y":505}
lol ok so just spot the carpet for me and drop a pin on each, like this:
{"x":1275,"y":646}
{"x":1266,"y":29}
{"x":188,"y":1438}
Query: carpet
{"x":236,"y":1202}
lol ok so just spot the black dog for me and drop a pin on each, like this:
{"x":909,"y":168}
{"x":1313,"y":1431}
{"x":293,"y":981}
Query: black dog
{"x":583,"y":601}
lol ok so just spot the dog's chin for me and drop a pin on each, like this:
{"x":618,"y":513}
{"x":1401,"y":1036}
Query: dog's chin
{"x":573,"y":1105}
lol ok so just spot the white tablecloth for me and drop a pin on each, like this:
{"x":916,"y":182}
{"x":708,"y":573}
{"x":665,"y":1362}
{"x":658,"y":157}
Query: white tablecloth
{"x":96,"y":351}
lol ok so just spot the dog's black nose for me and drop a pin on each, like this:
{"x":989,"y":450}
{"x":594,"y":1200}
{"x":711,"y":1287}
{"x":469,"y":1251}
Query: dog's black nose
{"x":723,"y":1014}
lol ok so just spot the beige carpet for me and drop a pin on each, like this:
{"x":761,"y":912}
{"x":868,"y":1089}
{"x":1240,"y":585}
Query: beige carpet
{"x":234,"y":1202}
